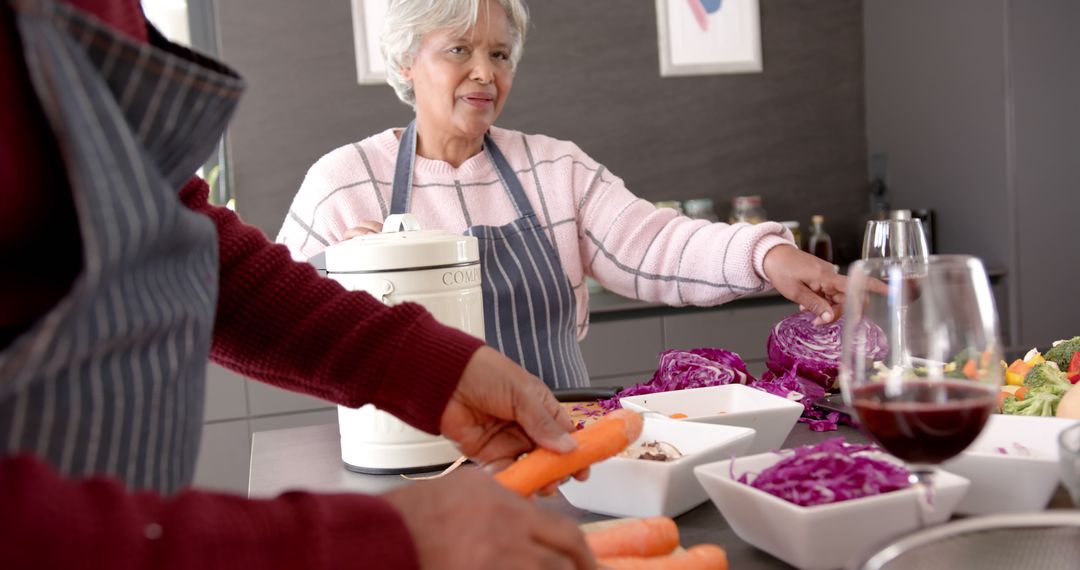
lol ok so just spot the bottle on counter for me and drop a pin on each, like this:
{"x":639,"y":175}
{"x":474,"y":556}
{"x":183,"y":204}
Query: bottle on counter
{"x":747,"y":209}
{"x":700,"y":209}
{"x":820,"y":244}
{"x":796,"y":232}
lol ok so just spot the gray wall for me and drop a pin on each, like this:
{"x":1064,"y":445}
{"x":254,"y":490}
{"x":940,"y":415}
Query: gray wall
{"x":793,"y":134}
{"x":1045,"y":81}
{"x":976,"y":104}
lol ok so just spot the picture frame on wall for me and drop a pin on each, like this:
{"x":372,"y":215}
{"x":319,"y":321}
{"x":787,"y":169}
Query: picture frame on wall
{"x":367,"y":19}
{"x":705,"y":37}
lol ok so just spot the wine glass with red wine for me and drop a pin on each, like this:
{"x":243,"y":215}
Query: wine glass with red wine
{"x":920,"y":362}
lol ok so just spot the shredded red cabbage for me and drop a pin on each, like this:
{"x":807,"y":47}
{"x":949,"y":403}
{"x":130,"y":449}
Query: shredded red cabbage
{"x":795,"y":343}
{"x":683,"y":369}
{"x":791,"y":386}
{"x":829,"y":472}
{"x":819,"y":420}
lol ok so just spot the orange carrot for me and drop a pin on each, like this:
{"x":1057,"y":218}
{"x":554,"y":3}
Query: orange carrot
{"x":678,"y":416}
{"x":639,"y":537}
{"x":596,"y":442}
{"x":970,"y":370}
{"x":700,"y":557}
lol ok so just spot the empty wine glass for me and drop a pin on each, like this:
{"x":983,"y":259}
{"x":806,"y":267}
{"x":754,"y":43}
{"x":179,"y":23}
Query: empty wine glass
{"x":895,"y":239}
{"x":901,"y":239}
{"x":922,"y":380}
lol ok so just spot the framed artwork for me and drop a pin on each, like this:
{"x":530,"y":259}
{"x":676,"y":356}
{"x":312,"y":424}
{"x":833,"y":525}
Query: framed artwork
{"x":702,"y":37}
{"x":367,"y":19}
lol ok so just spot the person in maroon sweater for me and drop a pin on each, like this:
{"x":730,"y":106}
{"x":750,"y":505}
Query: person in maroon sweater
{"x":316,"y":334}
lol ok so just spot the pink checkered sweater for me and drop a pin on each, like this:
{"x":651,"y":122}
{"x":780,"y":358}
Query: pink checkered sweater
{"x":600,"y":229}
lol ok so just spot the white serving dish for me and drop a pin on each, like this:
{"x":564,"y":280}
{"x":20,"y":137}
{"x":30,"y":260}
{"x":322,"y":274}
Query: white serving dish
{"x":772,"y":417}
{"x":1022,"y":479}
{"x":625,"y":487}
{"x":823,"y":536}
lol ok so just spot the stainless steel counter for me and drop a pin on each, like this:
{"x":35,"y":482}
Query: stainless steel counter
{"x":309,"y":459}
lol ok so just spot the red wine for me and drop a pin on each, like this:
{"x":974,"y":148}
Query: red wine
{"x":928,"y":422}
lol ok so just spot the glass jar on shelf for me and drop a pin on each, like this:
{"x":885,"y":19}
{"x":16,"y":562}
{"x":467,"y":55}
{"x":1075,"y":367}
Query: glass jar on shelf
{"x":747,"y":209}
{"x":700,"y":209}
{"x":820,"y":244}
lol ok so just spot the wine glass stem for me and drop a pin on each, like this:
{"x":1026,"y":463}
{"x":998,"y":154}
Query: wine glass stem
{"x":922,"y":478}
{"x":899,"y":335}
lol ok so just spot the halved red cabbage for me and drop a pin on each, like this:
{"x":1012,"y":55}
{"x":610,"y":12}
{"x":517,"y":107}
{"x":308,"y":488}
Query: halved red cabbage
{"x":795,"y":343}
{"x":682,"y":369}
{"x":829,"y":472}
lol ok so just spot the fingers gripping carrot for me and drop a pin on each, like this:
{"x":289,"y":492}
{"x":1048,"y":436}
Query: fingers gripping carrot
{"x":652,"y":536}
{"x":700,"y":557}
{"x":596,"y":442}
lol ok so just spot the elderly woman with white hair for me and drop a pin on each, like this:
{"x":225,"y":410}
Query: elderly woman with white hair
{"x":546,"y":214}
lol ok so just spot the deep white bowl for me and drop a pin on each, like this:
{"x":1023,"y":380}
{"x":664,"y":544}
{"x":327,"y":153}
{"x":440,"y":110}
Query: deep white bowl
{"x":772,"y":417}
{"x":625,"y":487}
{"x":822,"y":536}
{"x":1012,"y":465}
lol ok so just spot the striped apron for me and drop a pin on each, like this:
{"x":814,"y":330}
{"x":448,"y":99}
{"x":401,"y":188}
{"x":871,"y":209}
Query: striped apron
{"x":529,"y":304}
{"x":112,"y":379}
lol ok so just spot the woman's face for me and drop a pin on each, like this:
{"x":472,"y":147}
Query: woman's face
{"x":461,"y":81}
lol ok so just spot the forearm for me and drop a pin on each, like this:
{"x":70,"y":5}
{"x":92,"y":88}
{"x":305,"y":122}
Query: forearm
{"x":279,"y":322}
{"x":50,"y":522}
{"x":640,"y":251}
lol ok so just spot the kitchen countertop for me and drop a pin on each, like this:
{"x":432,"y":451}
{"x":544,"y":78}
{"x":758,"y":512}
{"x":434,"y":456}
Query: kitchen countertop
{"x":605,"y":305}
{"x":309,"y":459}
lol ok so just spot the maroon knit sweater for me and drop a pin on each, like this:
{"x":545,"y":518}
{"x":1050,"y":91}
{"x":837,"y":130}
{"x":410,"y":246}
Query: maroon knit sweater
{"x":277,"y":321}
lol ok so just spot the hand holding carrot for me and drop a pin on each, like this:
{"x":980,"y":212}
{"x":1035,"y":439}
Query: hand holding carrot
{"x":500,"y":411}
{"x":598,"y":441}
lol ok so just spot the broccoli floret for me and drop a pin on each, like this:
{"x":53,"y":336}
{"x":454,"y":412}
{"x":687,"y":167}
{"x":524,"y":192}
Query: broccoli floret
{"x":1045,"y":377}
{"x":1062,"y":353}
{"x":1040,"y":404}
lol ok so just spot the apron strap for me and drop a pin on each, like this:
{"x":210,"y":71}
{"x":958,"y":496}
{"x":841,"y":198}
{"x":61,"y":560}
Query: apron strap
{"x":508,"y":178}
{"x":406,"y":160}
{"x":403,"y":171}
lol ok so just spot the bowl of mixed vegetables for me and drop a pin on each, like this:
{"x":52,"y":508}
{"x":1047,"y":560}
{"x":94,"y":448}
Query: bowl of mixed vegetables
{"x":1044,"y":385}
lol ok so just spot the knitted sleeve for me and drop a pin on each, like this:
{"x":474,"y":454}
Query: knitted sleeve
{"x":324,"y":208}
{"x":644,"y":252}
{"x":50,"y":523}
{"x":280,"y":322}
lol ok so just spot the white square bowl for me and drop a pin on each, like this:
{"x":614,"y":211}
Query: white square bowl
{"x":822,"y":536}
{"x":772,"y":417}
{"x":1012,"y":465}
{"x":625,"y":487}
